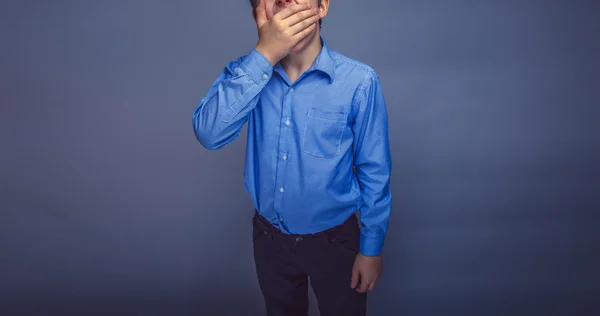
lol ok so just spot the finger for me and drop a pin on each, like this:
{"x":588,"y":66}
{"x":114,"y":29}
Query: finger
{"x":355,"y":277}
{"x":371,"y":286}
{"x":298,"y":27}
{"x":300,"y":16}
{"x":294,"y":8}
{"x":364,"y":285}
{"x":304,"y":33}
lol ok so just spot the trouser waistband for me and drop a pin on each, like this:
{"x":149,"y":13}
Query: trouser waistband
{"x":262,"y":223}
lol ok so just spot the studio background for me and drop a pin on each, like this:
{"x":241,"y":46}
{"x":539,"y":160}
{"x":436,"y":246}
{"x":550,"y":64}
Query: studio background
{"x":109,"y":205}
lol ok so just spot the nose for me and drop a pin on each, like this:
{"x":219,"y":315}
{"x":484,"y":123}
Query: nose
{"x":284,"y":2}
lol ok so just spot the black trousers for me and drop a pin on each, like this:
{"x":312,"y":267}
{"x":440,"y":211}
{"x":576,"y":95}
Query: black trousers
{"x":284,"y":264}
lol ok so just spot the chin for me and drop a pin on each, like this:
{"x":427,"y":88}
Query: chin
{"x":303,"y":43}
{"x":298,"y":48}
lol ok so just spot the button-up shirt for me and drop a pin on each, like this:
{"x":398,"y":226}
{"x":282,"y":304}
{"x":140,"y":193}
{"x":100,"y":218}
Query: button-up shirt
{"x":317,"y":149}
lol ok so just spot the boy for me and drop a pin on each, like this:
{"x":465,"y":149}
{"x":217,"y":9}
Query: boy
{"x":317,"y":152}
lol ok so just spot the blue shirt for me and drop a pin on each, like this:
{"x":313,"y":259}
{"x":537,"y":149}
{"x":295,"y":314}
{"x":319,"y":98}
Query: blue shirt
{"x":317,"y":149}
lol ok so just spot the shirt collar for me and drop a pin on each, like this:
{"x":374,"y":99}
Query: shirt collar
{"x":325,"y":61}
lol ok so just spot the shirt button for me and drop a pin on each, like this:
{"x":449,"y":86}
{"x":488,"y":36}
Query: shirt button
{"x":299,"y":239}
{"x":287,"y":122}
{"x":281,"y":189}
{"x":265,"y":76}
{"x":292,"y":89}
{"x":284,"y":157}
{"x":281,"y":219}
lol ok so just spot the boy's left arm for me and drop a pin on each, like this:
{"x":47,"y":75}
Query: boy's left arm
{"x":372,"y":160}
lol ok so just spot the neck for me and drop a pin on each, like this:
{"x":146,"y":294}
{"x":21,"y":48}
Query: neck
{"x":298,"y":62}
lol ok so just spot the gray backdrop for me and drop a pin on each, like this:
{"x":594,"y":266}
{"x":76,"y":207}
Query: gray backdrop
{"x":109,"y":206}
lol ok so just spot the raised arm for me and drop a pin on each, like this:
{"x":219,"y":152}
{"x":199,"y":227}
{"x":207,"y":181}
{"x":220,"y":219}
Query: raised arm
{"x":220,"y":115}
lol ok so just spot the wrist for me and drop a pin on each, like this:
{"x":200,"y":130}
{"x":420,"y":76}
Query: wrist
{"x":273,"y":60}
{"x":370,"y":255}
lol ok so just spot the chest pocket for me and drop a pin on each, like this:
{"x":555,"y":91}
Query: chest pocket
{"x":323,"y":132}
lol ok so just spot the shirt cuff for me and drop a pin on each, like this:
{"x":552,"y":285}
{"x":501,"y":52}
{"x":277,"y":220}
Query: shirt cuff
{"x":370,"y":246}
{"x":258,"y":67}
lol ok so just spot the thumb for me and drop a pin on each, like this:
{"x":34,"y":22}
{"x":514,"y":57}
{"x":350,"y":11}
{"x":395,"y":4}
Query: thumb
{"x":260,"y":12}
{"x":355,"y":277}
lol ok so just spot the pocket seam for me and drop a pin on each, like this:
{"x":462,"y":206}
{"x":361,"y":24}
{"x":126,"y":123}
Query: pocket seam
{"x":346,"y":244}
{"x":257,"y":233}
{"x":339,"y":139}
{"x":326,"y":117}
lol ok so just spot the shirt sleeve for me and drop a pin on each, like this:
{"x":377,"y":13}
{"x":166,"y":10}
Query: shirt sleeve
{"x":221,"y":113}
{"x":372,"y":161}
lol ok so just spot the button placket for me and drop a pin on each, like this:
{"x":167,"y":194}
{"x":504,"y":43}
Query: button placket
{"x":283,"y":148}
